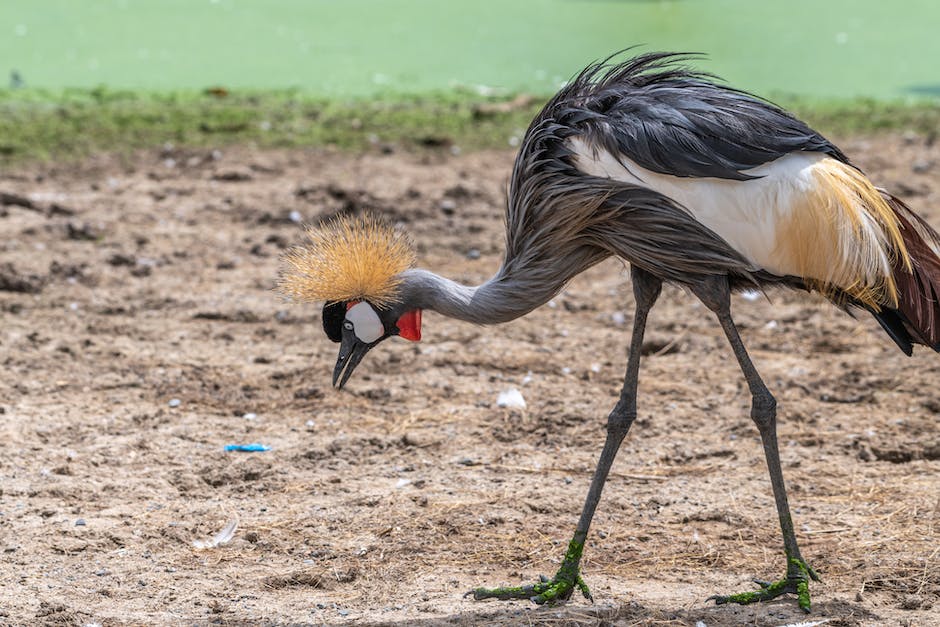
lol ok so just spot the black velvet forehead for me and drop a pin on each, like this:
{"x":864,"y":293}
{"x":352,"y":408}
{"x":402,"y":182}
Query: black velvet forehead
{"x":333,"y":316}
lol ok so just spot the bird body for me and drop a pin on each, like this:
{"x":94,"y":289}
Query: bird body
{"x":689,"y":182}
{"x":803,"y":215}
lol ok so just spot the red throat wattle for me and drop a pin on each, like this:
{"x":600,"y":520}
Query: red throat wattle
{"x":409,"y":325}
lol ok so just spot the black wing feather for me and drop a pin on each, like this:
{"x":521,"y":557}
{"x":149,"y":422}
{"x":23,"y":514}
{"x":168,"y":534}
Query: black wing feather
{"x":674,"y":120}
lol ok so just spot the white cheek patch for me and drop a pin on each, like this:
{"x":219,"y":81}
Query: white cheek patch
{"x":366,"y":322}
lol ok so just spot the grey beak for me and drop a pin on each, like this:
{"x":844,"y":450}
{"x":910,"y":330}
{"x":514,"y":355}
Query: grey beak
{"x":351,"y":352}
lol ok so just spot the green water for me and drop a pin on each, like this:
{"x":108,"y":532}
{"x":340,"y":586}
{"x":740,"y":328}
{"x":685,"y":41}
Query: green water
{"x":818,"y":48}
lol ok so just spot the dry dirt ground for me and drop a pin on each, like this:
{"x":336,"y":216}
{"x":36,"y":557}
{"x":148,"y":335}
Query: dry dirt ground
{"x":140,"y":335}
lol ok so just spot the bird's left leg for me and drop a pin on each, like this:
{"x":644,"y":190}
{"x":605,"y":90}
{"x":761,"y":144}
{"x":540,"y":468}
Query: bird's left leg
{"x":716,"y":295}
{"x":646,"y":289}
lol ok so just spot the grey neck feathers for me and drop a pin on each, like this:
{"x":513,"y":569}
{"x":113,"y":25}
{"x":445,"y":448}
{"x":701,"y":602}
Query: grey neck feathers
{"x":500,"y":299}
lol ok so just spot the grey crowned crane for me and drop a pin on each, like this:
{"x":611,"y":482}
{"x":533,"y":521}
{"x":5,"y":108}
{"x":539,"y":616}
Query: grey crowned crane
{"x":689,"y":182}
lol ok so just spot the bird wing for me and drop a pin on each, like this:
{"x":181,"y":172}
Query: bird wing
{"x":673,"y":120}
{"x":777,"y":192}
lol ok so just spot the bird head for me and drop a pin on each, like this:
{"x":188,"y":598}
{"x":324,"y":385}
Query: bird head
{"x":358,"y":327}
{"x":354,"y":264}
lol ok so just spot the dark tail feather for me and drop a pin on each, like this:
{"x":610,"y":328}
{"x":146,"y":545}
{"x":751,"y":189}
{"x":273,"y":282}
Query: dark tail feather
{"x":917,"y":318}
{"x":893,"y":325}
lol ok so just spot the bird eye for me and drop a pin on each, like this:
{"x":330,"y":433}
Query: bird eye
{"x":348,"y":325}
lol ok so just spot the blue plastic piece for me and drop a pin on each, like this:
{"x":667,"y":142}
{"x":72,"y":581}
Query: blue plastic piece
{"x":247,"y":448}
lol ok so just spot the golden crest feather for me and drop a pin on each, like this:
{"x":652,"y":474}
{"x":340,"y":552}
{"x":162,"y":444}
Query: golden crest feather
{"x":347,"y":258}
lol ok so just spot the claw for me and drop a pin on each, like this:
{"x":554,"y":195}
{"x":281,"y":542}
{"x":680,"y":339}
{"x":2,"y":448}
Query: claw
{"x":583,"y":587}
{"x":546,"y":591}
{"x":550,"y":591}
{"x":796,"y":582}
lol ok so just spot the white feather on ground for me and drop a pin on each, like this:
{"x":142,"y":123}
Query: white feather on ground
{"x":223,"y":537}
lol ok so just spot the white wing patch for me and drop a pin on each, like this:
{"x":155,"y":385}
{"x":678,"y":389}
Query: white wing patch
{"x":850,"y":247}
{"x":366,"y":323}
{"x":743,"y":213}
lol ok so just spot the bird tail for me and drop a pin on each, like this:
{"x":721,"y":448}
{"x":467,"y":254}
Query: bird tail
{"x":916,"y":320}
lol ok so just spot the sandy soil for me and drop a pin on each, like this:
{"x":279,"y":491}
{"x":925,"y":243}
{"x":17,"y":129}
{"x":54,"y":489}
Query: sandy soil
{"x":128,"y":283}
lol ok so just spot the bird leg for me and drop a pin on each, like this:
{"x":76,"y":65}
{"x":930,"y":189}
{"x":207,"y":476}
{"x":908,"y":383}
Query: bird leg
{"x":715,"y":294}
{"x":646,"y":289}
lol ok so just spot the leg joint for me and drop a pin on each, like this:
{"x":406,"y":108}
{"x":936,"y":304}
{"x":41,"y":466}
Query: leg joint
{"x":763,"y":408}
{"x":621,"y":417}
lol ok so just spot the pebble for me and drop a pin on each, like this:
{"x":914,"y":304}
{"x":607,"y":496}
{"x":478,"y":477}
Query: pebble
{"x":511,"y":398}
{"x":80,"y":522}
{"x":618,"y":318}
{"x":250,"y":416}
{"x":448,"y":206}
{"x":104,"y":572}
{"x":295,"y":217}
{"x":402,"y":483}
{"x":174,"y":402}
{"x":473,"y":253}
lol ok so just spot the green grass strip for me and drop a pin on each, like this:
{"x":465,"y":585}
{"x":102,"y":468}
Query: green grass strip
{"x":66,"y":125}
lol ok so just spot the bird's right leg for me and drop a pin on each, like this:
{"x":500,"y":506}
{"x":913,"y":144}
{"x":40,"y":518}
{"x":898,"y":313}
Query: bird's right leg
{"x":716,"y":295}
{"x":646,"y":289}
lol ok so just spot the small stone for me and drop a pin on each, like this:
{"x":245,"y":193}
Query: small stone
{"x":80,"y":522}
{"x":343,"y":612}
{"x":921,"y":166}
{"x":401,"y":483}
{"x":104,"y":572}
{"x":174,"y":402}
{"x":448,"y":207}
{"x":911,"y":602}
{"x":618,"y":318}
{"x":232,"y":176}
{"x":295,"y":217}
{"x":250,"y":416}
{"x":473,"y":253}
{"x":511,"y":398}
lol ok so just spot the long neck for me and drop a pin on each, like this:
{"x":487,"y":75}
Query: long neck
{"x":500,"y":299}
